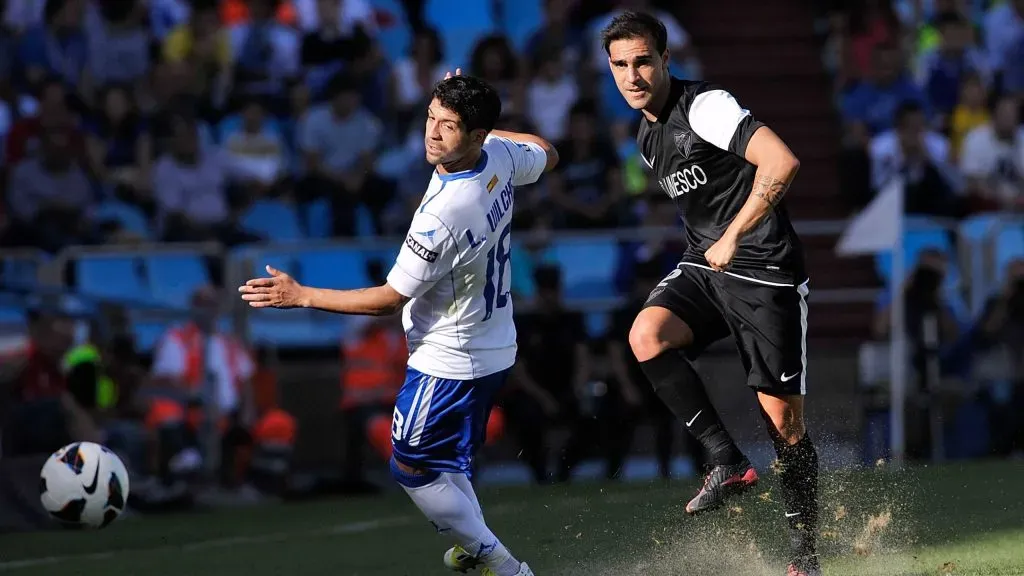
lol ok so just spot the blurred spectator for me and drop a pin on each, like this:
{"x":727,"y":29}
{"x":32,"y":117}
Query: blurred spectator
{"x":57,"y":47}
{"x":587,"y":185}
{"x":203,"y":379}
{"x":1013,"y":69}
{"x":54,"y":114}
{"x":870,"y":106}
{"x":998,"y":364}
{"x":189,"y":187}
{"x":372,"y":370}
{"x":345,"y":15}
{"x":630,"y":382}
{"x":921,"y":157}
{"x":199,"y":51}
{"x":166,"y":15}
{"x":925,"y":297}
{"x":872,"y":24}
{"x":970,"y":112}
{"x":254,"y":150}
{"x":332,"y":44}
{"x":551,"y":374}
{"x":1003,"y":26}
{"x":50,"y":196}
{"x":339,"y":140}
{"x":20,"y":15}
{"x":942,"y":70}
{"x":118,"y":43}
{"x":550,"y":95}
{"x":234,"y":12}
{"x":992,"y":159}
{"x":44,"y":415}
{"x":494,"y":61}
{"x":120,"y":147}
{"x":559,"y":34}
{"x":267,"y":54}
{"x":414,"y":76}
{"x":533,"y":252}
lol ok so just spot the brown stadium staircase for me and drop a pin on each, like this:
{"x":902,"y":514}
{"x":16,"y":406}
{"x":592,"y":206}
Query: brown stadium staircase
{"x":767,"y":55}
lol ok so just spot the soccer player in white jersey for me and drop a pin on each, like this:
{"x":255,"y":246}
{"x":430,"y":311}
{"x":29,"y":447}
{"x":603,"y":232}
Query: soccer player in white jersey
{"x":452,"y":277}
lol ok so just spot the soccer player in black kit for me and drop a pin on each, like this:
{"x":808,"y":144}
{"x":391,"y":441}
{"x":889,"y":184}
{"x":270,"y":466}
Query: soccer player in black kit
{"x":742,"y":273}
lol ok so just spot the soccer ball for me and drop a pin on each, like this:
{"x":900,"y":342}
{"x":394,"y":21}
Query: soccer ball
{"x":84,"y":485}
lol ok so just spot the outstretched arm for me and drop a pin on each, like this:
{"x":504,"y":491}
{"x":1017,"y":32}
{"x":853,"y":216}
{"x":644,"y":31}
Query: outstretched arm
{"x":282,"y":291}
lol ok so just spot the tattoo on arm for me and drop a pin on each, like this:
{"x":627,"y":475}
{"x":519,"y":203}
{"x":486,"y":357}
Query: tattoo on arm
{"x":770,"y":189}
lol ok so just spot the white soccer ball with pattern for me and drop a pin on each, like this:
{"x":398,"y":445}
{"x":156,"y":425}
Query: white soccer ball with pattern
{"x":84,"y":485}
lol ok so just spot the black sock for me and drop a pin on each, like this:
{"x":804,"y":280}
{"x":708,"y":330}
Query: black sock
{"x":679,"y":387}
{"x":799,"y":480}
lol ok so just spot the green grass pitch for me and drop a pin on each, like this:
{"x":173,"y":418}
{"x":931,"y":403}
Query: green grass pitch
{"x":956,"y":519}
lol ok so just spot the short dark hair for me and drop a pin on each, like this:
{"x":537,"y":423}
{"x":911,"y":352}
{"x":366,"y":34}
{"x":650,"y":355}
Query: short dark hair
{"x":630,"y":25}
{"x":475,"y":101}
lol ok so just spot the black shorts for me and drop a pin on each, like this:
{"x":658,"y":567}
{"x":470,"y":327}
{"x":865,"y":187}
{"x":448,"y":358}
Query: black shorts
{"x":767,"y":321}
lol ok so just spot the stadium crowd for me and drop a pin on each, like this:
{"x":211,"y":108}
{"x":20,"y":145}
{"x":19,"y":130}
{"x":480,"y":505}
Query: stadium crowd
{"x":932,"y":92}
{"x":124,"y":121}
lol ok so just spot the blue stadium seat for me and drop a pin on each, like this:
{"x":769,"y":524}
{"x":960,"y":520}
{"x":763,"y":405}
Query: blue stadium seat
{"x":597,"y":324}
{"x":318,"y":219}
{"x":588,"y":267}
{"x":11,"y":315}
{"x":521,"y":18}
{"x":128,"y":217}
{"x":343,"y":269}
{"x":461,"y":25}
{"x":295,"y":328}
{"x":274,"y":220}
{"x":173,"y":278}
{"x":283,"y":261}
{"x":19,"y":273}
{"x":978,"y":227}
{"x":147,"y":334}
{"x":394,"y":34}
{"x":915,"y":242}
{"x":458,"y":14}
{"x":114,"y":277}
{"x":1009,"y":246}
{"x":365,"y":228}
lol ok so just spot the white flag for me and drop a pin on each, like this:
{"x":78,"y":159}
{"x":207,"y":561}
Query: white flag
{"x":878,"y":227}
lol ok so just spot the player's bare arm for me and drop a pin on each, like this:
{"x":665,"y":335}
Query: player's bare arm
{"x":282,"y":291}
{"x":776,"y":168}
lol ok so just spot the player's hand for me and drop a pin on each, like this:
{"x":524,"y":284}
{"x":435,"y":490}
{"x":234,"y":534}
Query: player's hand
{"x":721,"y":253}
{"x":458,"y":72}
{"x":278,"y":291}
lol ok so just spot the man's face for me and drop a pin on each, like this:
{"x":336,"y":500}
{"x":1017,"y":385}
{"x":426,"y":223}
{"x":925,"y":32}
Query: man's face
{"x":186,"y":138}
{"x":445,"y":137}
{"x":639,"y":71}
{"x":956,"y":37}
{"x":56,"y":146}
{"x":911,"y":129}
{"x":888,"y":65}
{"x":346,"y":102}
{"x":1007,"y":116}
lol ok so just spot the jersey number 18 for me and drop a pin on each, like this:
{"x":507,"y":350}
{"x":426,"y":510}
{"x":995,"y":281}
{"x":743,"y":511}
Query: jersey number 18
{"x":499,"y":254}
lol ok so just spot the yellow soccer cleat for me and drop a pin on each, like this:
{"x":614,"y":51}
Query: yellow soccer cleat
{"x":457,"y":559}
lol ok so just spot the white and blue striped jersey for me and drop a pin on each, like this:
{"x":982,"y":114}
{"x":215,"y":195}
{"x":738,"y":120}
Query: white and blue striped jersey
{"x":454,"y":264}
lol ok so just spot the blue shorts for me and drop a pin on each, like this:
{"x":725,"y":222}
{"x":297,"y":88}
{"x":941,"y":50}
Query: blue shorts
{"x":439,"y":424}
